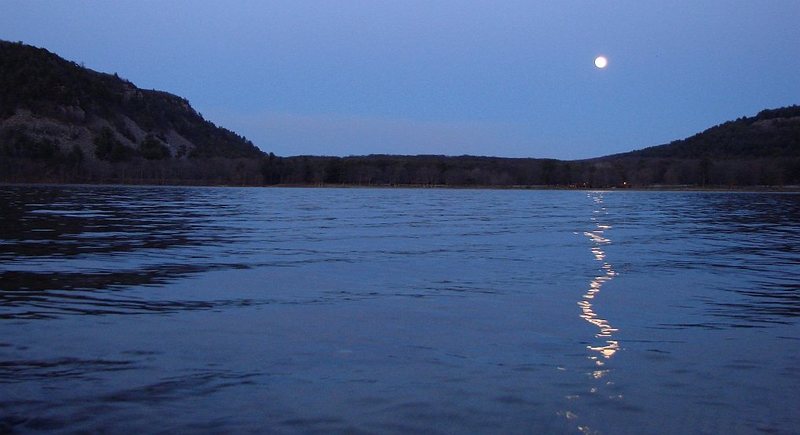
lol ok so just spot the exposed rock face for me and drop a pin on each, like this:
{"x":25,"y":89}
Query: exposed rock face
{"x":48,"y":101}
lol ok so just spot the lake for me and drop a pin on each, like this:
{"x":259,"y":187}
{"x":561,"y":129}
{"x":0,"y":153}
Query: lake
{"x":252,"y":310}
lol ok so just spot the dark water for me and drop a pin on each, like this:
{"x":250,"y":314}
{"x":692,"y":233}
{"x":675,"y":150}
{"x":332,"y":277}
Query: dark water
{"x":143,"y":309}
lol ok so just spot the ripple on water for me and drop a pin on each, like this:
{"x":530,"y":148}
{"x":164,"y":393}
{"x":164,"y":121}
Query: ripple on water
{"x":302,"y":310}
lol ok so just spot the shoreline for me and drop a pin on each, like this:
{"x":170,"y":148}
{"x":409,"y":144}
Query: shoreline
{"x":654,"y":188}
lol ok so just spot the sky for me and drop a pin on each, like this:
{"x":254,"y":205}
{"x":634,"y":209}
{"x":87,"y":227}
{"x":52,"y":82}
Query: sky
{"x":502,"y":78}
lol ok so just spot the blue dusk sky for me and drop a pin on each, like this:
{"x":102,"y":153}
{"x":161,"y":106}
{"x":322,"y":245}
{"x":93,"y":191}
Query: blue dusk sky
{"x":504,"y":78}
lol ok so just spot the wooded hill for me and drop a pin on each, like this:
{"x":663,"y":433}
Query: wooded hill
{"x":61,"y":122}
{"x":759,"y":150}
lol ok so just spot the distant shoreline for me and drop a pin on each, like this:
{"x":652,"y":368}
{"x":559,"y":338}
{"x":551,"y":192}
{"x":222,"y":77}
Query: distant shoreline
{"x":660,"y":188}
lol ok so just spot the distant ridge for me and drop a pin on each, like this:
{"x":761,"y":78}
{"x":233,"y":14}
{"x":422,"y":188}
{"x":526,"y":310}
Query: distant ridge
{"x":63,"y":123}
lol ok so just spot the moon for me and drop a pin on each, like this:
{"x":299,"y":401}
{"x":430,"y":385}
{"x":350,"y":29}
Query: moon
{"x":600,"y":62}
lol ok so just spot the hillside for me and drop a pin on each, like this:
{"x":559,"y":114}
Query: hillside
{"x":759,"y":150}
{"x":60,"y":121}
{"x":771,"y":133}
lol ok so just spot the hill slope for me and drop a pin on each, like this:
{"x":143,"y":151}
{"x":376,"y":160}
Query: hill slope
{"x":759,"y":150}
{"x":771,"y":133}
{"x":54,"y":112}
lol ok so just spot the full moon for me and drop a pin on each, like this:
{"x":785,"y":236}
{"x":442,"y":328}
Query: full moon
{"x":600,"y":62}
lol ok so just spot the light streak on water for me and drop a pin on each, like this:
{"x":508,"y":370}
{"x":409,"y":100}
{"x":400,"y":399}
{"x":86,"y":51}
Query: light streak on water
{"x":605,"y":330}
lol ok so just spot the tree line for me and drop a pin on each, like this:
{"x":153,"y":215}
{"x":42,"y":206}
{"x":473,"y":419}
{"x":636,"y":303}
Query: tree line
{"x":505,"y":172}
{"x":60,"y":122}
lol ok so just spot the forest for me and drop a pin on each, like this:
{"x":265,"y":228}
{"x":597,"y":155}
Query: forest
{"x":63,"y":123}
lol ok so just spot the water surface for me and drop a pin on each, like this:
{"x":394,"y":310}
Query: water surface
{"x":380,"y":310}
